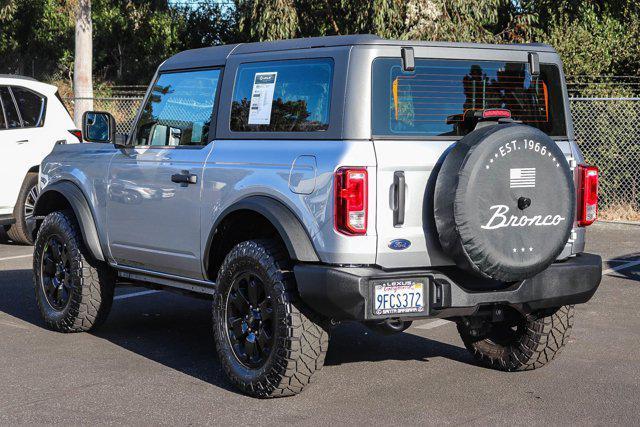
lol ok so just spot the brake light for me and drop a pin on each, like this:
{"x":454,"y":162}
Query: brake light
{"x":77,"y":133}
{"x":351,"y":201}
{"x":587,"y":195}
{"x":496,"y":113}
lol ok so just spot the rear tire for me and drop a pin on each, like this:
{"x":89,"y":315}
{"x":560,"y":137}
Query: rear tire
{"x":74,"y":292}
{"x":523,"y":345}
{"x":268,"y":342}
{"x":21,"y":231}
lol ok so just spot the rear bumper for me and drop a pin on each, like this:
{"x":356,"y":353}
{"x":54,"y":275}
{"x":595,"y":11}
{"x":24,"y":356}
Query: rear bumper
{"x":346,"y":293}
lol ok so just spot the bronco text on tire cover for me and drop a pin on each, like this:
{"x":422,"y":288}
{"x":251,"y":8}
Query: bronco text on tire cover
{"x":504,"y":202}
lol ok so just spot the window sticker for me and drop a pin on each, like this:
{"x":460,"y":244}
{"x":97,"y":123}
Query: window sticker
{"x":262,"y":98}
{"x":196,"y":133}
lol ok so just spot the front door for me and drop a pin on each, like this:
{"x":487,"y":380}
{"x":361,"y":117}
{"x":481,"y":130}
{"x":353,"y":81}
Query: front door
{"x":153,"y":206}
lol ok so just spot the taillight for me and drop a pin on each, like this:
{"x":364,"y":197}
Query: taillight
{"x":587,"y":195}
{"x":351,"y":201}
{"x":77,"y":133}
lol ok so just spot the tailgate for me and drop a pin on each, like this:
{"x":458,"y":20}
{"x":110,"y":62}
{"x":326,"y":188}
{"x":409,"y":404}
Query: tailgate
{"x":417,"y":115}
{"x":415,"y":160}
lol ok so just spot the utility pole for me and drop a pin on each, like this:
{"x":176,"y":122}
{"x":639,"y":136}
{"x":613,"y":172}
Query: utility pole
{"x":83,"y":62}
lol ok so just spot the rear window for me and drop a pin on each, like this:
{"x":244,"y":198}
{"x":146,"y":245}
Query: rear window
{"x":440,"y":97}
{"x":282,"y":96}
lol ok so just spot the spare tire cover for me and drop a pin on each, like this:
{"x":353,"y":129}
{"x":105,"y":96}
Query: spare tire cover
{"x":504,"y":202}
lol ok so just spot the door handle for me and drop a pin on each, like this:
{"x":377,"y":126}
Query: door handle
{"x":184,"y":178}
{"x":398,"y":198}
{"x":22,"y":141}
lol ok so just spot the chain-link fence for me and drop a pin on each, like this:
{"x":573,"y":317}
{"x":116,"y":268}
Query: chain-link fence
{"x":608,"y":133}
{"x":123,"y":109}
{"x":607,"y":130}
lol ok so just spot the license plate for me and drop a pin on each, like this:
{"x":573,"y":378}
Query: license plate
{"x":399,"y":297}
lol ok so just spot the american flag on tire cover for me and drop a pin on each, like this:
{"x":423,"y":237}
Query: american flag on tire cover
{"x":522,"y":177}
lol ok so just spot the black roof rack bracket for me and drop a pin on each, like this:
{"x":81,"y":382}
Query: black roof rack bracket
{"x":408,"y":60}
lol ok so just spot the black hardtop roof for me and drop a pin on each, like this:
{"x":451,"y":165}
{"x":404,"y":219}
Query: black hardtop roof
{"x":217,"y":55}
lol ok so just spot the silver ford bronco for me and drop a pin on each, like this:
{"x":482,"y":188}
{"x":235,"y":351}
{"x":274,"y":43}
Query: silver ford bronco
{"x":301,"y":183}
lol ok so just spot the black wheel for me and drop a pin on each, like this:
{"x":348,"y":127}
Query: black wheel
{"x":74,"y":292}
{"x":21,"y":231}
{"x":269,"y":344}
{"x":520,"y":344}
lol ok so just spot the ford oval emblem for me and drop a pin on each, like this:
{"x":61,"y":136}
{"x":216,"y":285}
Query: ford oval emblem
{"x":399,"y":244}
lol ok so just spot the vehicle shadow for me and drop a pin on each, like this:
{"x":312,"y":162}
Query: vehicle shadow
{"x":176,"y":331}
{"x":632,"y":272}
{"x":354,"y":342}
{"x":5,"y":240}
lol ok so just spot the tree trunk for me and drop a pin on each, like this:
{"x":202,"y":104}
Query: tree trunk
{"x":83,"y":62}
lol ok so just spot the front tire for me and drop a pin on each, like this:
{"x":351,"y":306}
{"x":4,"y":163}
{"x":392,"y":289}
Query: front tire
{"x":21,"y":231}
{"x":74,"y":292}
{"x":523,"y":344}
{"x":268,"y":343}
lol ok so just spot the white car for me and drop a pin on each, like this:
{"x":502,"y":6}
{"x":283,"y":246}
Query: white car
{"x":32,"y":121}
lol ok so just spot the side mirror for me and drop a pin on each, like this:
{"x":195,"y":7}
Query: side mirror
{"x":98,"y":126}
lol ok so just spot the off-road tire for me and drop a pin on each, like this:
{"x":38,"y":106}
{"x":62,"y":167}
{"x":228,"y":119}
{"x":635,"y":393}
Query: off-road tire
{"x":20,"y":231}
{"x":540,"y":340}
{"x":93,"y":281}
{"x":301,"y":337}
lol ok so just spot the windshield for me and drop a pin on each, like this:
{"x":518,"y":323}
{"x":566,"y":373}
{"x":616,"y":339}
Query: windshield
{"x":441,"y":97}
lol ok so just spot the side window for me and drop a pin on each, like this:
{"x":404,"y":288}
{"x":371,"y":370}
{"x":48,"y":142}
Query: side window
{"x":282,"y":96}
{"x":31,"y":106}
{"x":179,"y":110}
{"x":10,"y":112}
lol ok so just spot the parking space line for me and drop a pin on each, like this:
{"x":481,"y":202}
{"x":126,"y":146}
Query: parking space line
{"x":434,"y":324}
{"x":9,"y":258}
{"x":135,"y":294}
{"x":620,"y":267}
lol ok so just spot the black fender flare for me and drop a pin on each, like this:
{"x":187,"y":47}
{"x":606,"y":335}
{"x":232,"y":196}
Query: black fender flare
{"x":49,"y":198}
{"x":287,"y":224}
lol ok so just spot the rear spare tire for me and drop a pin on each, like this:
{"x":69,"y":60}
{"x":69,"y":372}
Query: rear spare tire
{"x":504,"y":202}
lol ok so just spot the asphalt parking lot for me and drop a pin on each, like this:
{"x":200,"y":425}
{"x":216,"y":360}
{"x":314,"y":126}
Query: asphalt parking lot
{"x":153,"y":362}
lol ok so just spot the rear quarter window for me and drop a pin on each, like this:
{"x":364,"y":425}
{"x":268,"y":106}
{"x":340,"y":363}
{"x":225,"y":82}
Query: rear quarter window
{"x":31,"y":106}
{"x":282,"y":96}
{"x":440,"y":97}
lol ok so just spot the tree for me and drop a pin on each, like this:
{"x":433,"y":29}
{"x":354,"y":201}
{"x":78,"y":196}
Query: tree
{"x":83,"y":62}
{"x":36,"y":37}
